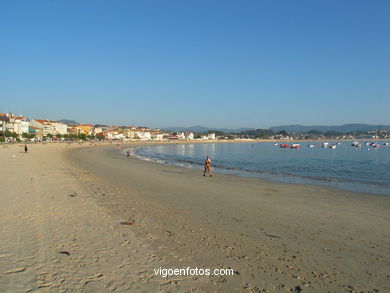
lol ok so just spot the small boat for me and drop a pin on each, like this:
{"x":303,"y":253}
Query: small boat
{"x":325,"y":144}
{"x":356,"y":144}
{"x":284,"y":146}
{"x":311,"y":145}
{"x":295,"y":146}
{"x":376,"y":145}
{"x":386,"y":144}
{"x":332,"y":146}
{"x":275,"y":144}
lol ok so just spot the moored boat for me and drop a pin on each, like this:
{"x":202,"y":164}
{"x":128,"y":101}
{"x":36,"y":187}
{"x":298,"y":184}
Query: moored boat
{"x":356,"y":144}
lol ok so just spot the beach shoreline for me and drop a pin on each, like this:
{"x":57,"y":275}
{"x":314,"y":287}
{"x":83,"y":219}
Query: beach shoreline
{"x":276,"y":237}
{"x":263,"y":210}
{"x":334,"y":183}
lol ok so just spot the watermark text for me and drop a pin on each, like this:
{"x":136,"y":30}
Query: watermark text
{"x":168,"y":272}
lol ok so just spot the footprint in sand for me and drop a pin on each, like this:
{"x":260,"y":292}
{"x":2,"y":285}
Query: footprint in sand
{"x":15,"y":270}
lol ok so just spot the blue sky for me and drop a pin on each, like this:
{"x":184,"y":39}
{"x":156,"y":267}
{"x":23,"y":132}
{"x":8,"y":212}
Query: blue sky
{"x":212,"y":63}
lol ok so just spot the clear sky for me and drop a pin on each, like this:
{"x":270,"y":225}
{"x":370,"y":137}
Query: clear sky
{"x":203,"y":62}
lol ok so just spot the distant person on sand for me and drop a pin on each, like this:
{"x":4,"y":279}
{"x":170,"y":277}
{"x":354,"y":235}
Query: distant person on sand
{"x":25,"y":148}
{"x":207,"y":167}
{"x":128,"y":153}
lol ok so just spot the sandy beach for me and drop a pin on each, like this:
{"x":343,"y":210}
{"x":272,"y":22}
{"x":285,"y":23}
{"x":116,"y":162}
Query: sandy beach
{"x":62,"y":208}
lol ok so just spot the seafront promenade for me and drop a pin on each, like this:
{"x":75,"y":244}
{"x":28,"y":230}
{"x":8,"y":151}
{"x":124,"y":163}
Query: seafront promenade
{"x":62,"y":208}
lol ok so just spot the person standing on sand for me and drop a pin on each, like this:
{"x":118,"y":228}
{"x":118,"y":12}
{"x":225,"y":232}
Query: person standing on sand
{"x":207,"y":167}
{"x":25,"y":148}
{"x":128,"y":153}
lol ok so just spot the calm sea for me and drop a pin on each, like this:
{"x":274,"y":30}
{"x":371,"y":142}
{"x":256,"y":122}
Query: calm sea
{"x":365,"y":169}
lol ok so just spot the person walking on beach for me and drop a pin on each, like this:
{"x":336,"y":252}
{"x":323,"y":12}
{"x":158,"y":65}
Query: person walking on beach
{"x":207,"y":167}
{"x":25,"y":148}
{"x":128,"y":153}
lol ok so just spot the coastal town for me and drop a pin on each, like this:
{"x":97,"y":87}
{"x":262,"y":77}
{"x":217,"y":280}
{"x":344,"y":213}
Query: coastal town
{"x":14,"y":128}
{"x":20,"y":128}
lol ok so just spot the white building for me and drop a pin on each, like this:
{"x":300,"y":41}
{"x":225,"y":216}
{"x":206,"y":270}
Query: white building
{"x":18,"y":125}
{"x":15,"y":124}
{"x":24,"y":124}
{"x":181,"y":135}
{"x":143,"y":135}
{"x":44,"y":126}
{"x":211,"y":136}
{"x":189,"y":135}
{"x":129,"y":133}
{"x":208,"y":136}
{"x":157,"y":136}
{"x":117,"y":135}
{"x":97,"y":130}
{"x":60,"y":128}
{"x":21,"y":125}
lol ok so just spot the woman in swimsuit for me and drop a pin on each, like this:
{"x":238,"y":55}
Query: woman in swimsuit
{"x":207,"y":167}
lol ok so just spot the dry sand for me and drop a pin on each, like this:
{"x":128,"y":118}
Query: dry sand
{"x":61,"y":209}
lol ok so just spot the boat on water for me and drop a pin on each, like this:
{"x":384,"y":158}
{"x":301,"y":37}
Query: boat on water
{"x":356,"y":144}
{"x":386,"y":144}
{"x":292,"y":146}
{"x":332,"y":146}
{"x":325,"y":144}
{"x":376,"y":145}
{"x":311,"y":145}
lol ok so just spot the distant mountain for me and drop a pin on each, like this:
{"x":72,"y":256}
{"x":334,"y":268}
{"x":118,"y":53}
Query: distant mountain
{"x":289,"y":128}
{"x":66,"y":121}
{"x":338,"y":128}
{"x":202,"y":129}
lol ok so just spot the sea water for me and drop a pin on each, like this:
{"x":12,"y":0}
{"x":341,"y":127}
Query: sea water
{"x":362,"y":169}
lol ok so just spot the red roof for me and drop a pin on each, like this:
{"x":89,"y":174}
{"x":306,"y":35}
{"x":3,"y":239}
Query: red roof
{"x":45,"y":122}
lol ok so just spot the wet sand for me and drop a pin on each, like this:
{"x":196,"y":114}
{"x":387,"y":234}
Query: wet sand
{"x":276,"y":237}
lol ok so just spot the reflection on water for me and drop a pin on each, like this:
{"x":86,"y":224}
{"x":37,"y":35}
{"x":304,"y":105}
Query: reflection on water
{"x":208,"y":150}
